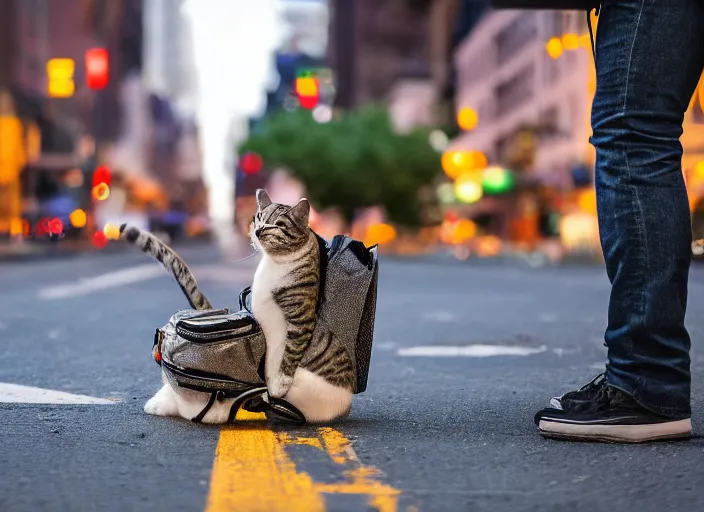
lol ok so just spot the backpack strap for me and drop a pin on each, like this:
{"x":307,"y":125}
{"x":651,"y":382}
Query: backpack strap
{"x":285,"y":411}
{"x":240,"y":399}
{"x":213,"y":396}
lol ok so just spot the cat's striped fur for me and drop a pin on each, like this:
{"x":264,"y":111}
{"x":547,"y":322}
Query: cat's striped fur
{"x":172,"y":262}
{"x":304,"y":365}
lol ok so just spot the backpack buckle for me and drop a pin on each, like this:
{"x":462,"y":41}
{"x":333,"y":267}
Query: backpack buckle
{"x":156,"y":348}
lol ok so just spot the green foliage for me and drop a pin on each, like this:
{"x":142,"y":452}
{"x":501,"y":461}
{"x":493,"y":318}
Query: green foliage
{"x":355,"y":161}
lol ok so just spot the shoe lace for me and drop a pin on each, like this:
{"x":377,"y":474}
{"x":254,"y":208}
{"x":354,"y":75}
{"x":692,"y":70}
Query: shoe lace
{"x":601,"y":397}
{"x":596,"y":382}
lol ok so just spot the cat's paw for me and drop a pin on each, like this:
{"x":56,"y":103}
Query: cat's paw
{"x":162,"y":404}
{"x":279,"y":385}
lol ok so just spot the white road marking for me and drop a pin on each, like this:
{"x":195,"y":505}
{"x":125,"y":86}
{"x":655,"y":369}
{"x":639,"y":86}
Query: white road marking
{"x":147,"y":271}
{"x":17,"y":394}
{"x":114,"y":279}
{"x":470,"y":351}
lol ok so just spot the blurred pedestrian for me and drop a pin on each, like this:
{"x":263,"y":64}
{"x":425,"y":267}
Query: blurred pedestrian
{"x":649,"y":59}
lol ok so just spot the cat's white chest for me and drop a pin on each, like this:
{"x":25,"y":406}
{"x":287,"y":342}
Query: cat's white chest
{"x":269,"y":276}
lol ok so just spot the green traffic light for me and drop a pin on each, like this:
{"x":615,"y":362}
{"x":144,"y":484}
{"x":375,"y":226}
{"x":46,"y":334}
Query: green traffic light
{"x":497,"y":180}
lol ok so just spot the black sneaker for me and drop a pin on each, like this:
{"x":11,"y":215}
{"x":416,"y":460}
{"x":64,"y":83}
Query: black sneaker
{"x":610,"y":416}
{"x":585,"y":393}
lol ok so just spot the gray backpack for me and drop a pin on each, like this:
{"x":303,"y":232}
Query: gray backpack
{"x":221,"y":352}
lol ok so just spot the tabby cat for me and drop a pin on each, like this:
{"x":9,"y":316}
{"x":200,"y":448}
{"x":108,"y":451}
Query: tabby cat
{"x":304,"y":366}
{"x":284,"y":298}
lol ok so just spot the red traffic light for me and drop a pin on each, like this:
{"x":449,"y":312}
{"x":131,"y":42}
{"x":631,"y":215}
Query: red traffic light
{"x":97,"y":68}
{"x":101,"y":175}
{"x":251,"y":163}
{"x":308,"y":102}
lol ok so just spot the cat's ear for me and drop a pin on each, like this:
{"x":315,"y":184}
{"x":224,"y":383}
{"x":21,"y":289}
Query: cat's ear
{"x":301,"y":210}
{"x":262,"y":199}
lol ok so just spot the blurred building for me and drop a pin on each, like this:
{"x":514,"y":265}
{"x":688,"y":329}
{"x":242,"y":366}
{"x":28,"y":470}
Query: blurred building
{"x":305,"y":27}
{"x":36,"y":31}
{"x":400,"y":51}
{"x":375,"y":44}
{"x":530,"y":77}
{"x":170,"y":95}
{"x":505,"y":73}
{"x":168,"y":53}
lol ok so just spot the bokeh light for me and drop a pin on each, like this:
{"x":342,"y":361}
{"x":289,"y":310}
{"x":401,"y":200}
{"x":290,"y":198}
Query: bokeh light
{"x":446,"y":193}
{"x":100,"y":240}
{"x":463,"y":231}
{"x":570,"y":41}
{"x":438,"y":140}
{"x":379,"y":234}
{"x":497,"y":180}
{"x":468,"y":189}
{"x":251,"y":163}
{"x":78,"y":218}
{"x":322,"y":113}
{"x":554,"y":47}
{"x":488,"y":246}
{"x":699,"y":169}
{"x":112,"y":232}
{"x":579,"y":229}
{"x":455,"y":163}
{"x":42,"y":227}
{"x":55,"y":226}
{"x":467,"y":118}
{"x":101,"y":192}
{"x":585,"y":41}
{"x":587,"y":201}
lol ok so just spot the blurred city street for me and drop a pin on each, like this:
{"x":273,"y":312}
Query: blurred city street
{"x":454,"y":135}
{"x":440,"y":428}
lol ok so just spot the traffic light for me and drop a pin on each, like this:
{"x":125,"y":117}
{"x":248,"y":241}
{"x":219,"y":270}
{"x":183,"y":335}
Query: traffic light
{"x":59,"y":74}
{"x":307,"y":89}
{"x":251,"y":163}
{"x":97,"y":68}
{"x":101,"y":183}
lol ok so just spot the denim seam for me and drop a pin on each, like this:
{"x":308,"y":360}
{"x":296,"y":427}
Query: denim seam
{"x":642,"y":235}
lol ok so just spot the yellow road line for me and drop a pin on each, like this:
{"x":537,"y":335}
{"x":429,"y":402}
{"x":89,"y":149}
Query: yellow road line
{"x":253,"y":473}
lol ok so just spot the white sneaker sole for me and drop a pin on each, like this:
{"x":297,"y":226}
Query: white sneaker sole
{"x":680,"y":429}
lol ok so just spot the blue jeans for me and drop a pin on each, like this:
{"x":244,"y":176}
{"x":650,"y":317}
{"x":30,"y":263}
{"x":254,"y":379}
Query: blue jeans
{"x":649,"y":57}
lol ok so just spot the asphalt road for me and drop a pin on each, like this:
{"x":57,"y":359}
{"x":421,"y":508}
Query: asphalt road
{"x":432,"y":433}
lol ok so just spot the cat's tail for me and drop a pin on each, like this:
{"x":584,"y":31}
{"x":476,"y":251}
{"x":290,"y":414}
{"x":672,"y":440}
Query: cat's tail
{"x":172,"y":262}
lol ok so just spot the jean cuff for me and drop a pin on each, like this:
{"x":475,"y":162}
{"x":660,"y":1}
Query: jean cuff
{"x":675,"y":412}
